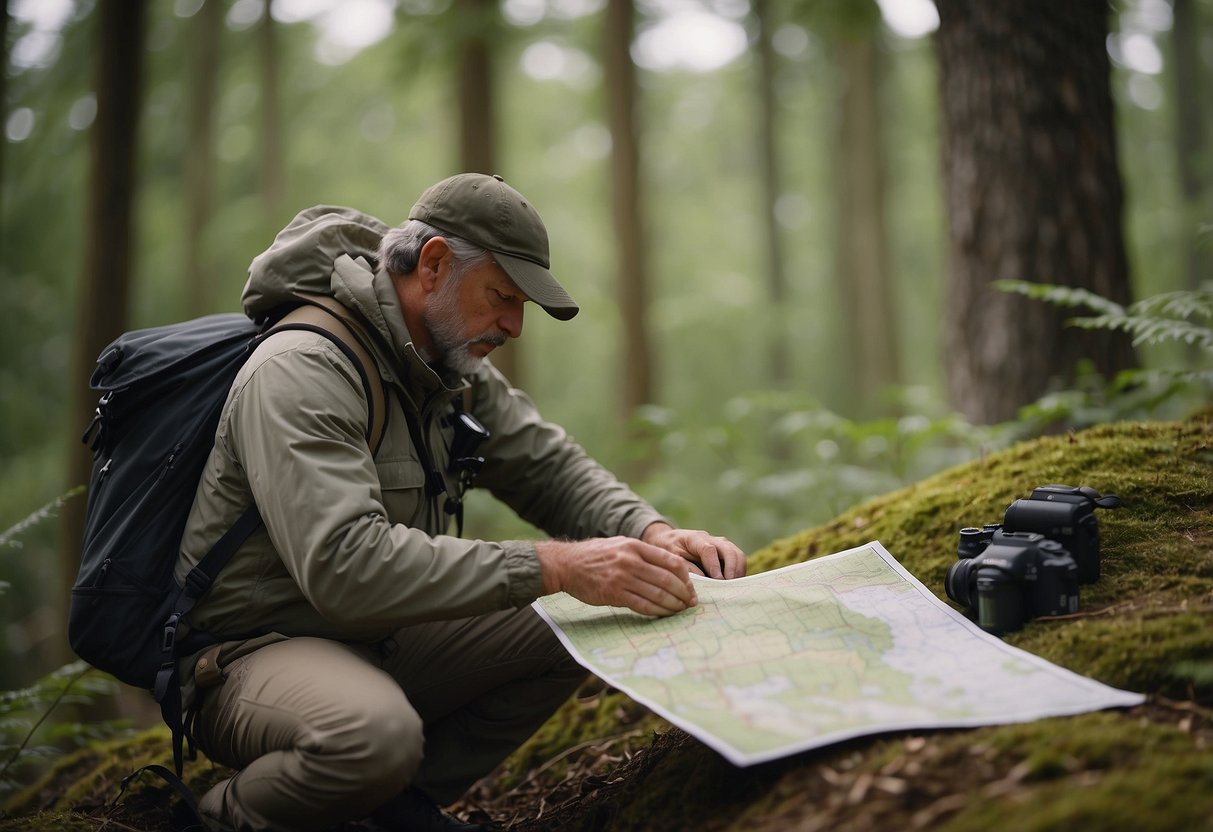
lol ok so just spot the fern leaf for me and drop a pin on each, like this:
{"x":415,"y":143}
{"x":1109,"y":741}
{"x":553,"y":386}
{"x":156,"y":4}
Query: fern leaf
{"x":1072,"y":296}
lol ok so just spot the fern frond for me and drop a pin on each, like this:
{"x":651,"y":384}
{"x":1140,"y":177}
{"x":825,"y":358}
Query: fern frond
{"x":1148,"y":330}
{"x":1182,"y":304}
{"x":9,"y":536}
{"x":1072,"y":296}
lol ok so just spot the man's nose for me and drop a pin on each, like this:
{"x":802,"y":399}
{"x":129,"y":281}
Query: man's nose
{"x":511,"y":320}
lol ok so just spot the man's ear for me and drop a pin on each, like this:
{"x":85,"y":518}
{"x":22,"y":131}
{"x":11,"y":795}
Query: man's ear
{"x":432,"y":263}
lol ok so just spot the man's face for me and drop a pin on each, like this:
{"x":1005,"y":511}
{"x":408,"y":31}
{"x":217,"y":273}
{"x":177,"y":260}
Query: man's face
{"x":470,"y":315}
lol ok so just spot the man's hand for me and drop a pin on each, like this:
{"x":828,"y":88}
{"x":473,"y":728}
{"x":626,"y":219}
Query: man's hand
{"x":715,"y":557}
{"x":617,"y":571}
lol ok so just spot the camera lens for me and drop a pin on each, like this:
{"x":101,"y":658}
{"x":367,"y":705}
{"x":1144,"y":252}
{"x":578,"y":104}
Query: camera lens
{"x":1000,"y":602}
{"x":957,"y":582}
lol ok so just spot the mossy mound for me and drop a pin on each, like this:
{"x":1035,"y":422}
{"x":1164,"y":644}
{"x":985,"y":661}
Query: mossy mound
{"x":603,"y":762}
{"x":1147,"y":625}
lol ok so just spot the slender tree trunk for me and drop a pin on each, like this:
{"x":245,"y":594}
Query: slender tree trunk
{"x":1192,"y":154}
{"x":1034,"y":193}
{"x":777,"y":292}
{"x":3,"y":84}
{"x":199,"y":155}
{"x":866,"y":287}
{"x":478,"y":123}
{"x":272,"y":177}
{"x":101,"y":313}
{"x":627,"y":204}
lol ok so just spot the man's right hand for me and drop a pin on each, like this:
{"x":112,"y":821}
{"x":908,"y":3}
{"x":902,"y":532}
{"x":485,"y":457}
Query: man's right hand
{"x":619,"y":572}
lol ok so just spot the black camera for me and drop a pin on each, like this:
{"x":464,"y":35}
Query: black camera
{"x":1066,"y":514}
{"x":1010,"y":578}
{"x":1031,"y":564}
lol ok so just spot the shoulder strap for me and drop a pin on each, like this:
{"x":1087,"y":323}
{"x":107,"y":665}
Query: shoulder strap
{"x":327,"y":316}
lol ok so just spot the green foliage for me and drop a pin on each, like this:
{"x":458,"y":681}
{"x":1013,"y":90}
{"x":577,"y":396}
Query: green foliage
{"x":29,"y":739}
{"x":1152,"y":320}
{"x":1184,"y":316}
{"x":778,"y":461}
{"x":9,"y":538}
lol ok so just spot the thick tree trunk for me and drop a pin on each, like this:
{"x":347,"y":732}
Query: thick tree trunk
{"x":101,"y":313}
{"x":865,"y":285}
{"x":627,"y":206}
{"x":777,"y":283}
{"x":1034,"y":193}
{"x":478,"y":123}
{"x":207,"y":26}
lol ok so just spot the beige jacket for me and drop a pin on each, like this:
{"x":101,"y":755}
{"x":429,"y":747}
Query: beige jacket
{"x":351,"y":547}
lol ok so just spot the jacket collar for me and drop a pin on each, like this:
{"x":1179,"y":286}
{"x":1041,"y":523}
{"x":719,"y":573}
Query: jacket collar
{"x":370,"y":293}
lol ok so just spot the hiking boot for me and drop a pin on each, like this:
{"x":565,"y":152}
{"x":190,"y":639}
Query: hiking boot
{"x":412,"y":811}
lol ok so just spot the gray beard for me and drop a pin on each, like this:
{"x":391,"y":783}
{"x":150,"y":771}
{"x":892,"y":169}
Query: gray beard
{"x":445,"y":328}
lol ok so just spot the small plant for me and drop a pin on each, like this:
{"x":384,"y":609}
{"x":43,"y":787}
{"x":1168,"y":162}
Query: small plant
{"x":1172,"y":317}
{"x":29,"y":738}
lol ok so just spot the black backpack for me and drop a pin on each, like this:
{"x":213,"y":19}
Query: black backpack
{"x":162,"y":393}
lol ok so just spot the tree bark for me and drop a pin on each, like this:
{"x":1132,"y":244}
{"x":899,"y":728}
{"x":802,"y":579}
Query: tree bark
{"x":777,"y":283}
{"x":1034,"y":193}
{"x":865,"y":285}
{"x":101,"y":313}
{"x":207,"y":26}
{"x":627,"y":206}
{"x":478,"y":123}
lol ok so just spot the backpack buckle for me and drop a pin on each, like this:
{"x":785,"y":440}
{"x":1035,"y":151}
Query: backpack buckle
{"x":170,"y":633}
{"x":96,"y":428}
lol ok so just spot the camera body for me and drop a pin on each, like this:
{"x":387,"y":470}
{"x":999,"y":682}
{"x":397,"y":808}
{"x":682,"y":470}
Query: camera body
{"x":1033,"y":562}
{"x":1010,"y":578}
{"x":1066,"y":514}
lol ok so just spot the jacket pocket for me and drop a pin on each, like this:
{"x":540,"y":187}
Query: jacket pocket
{"x":402,"y":484}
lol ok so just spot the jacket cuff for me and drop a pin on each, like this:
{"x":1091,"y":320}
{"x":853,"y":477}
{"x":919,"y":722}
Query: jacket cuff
{"x":638,"y":521}
{"x":522,"y":572}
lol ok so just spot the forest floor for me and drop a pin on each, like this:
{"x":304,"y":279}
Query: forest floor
{"x":605,"y":763}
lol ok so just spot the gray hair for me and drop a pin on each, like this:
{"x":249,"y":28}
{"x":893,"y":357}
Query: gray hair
{"x":400,"y":248}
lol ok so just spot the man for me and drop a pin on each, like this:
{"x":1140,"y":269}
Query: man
{"x":375,"y":665}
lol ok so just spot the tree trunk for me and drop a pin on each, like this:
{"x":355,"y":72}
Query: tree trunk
{"x":777,"y":291}
{"x":865,"y":284}
{"x":1034,"y":193}
{"x":1191,"y":153}
{"x":3,"y":83}
{"x":101,"y":312}
{"x":272,"y":177}
{"x":199,"y":155}
{"x":627,"y":206}
{"x":478,"y":123}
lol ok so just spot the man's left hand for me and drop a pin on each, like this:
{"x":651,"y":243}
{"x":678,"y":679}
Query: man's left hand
{"x":715,"y":557}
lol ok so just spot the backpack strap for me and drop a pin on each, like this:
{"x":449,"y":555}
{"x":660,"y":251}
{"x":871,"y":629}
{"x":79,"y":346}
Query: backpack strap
{"x":328,"y":317}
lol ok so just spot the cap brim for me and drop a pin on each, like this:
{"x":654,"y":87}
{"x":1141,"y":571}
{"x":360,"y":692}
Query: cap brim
{"x":538,"y":284}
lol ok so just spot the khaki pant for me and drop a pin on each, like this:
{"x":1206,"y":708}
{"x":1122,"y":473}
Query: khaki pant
{"x":323,"y":732}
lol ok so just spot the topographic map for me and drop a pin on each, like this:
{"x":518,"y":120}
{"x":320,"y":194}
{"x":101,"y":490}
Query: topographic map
{"x":815,"y":653}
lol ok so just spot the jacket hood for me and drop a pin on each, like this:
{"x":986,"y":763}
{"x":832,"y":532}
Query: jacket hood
{"x":300,"y":260}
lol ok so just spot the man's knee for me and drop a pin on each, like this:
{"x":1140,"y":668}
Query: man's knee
{"x":380,"y":747}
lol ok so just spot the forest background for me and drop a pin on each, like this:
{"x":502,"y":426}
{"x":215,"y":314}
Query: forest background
{"x":748,"y":199}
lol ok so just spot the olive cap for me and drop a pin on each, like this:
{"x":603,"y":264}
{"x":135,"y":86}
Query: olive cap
{"x":487,"y":212}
